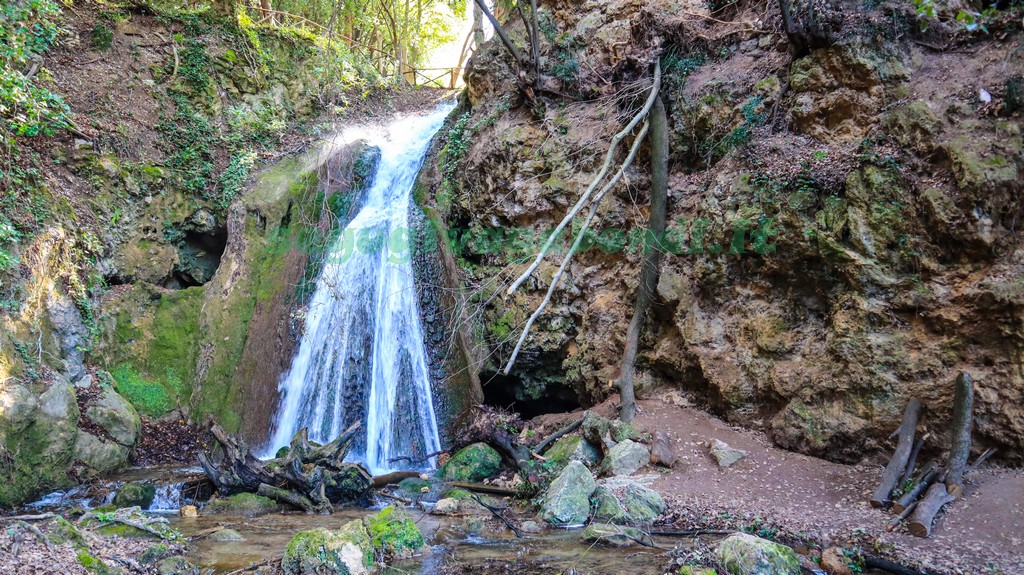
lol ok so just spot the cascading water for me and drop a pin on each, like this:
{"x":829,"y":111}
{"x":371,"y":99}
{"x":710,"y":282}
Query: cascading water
{"x":362,"y":356}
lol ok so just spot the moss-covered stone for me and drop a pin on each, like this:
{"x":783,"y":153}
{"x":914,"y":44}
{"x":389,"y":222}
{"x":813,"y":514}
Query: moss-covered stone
{"x":154,"y":553}
{"x":247,"y":504}
{"x":393,"y":533}
{"x":135,"y":494}
{"x":347,"y":551}
{"x":571,"y":448}
{"x":473,"y":463}
{"x":606,"y":507}
{"x":413,"y":486}
{"x":745,"y":554}
{"x":567,"y":500}
{"x":615,"y":535}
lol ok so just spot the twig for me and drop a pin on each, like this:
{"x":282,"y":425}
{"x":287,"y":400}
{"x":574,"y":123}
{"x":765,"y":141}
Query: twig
{"x":496,"y":514}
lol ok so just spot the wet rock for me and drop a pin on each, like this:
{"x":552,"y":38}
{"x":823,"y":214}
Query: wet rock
{"x":413,"y":487}
{"x":725,"y":455}
{"x":98,"y":455}
{"x":189,"y":511}
{"x":745,"y":554}
{"x":530,"y":526}
{"x":393,"y":533}
{"x":572,"y":448}
{"x":661,"y":450}
{"x":71,"y":333}
{"x":135,"y":494}
{"x":835,"y":562}
{"x":567,"y":501}
{"x":154,"y":553}
{"x":347,"y":551}
{"x":226,"y":535}
{"x":446,"y":506}
{"x":176,"y":565}
{"x":473,"y":463}
{"x":625,"y":458}
{"x":116,"y":416}
{"x":247,"y":504}
{"x":616,"y":535}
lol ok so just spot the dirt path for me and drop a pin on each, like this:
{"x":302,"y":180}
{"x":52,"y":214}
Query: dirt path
{"x":826,"y":502}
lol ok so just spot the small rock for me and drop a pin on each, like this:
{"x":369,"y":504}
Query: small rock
{"x":530,"y":526}
{"x":616,"y":535}
{"x":661,"y":450}
{"x":135,"y":494}
{"x":625,"y":458}
{"x":176,"y":565}
{"x":745,"y":554}
{"x":446,"y":506}
{"x":189,"y":511}
{"x":725,"y":455}
{"x":835,"y":562}
{"x":226,"y":535}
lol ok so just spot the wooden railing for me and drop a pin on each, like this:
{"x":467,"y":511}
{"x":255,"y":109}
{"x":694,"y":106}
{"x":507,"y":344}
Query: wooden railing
{"x":371,"y":54}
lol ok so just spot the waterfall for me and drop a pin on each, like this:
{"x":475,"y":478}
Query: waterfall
{"x":362,"y":356}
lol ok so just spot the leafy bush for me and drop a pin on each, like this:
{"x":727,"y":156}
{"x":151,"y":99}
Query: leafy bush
{"x":189,"y":140}
{"x":27,"y":29}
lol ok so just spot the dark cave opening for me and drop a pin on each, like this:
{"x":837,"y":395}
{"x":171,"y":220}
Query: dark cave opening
{"x":508,"y":391}
{"x":199,"y":255}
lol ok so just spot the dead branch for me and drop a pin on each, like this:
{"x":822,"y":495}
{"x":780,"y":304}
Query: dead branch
{"x":494,"y":511}
{"x":894,"y":470}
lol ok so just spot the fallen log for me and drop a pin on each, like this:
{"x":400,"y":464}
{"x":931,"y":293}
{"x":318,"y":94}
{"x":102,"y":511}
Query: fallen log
{"x":481,"y":488}
{"x":903,"y":515}
{"x":891,"y":567}
{"x":894,"y":470}
{"x":393,"y":477}
{"x":308,"y":477}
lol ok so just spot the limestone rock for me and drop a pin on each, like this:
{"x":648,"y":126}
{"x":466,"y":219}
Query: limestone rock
{"x":567,"y":501}
{"x":834,"y":562}
{"x":188,"y":511}
{"x":661,"y":450}
{"x":606,"y":506}
{"x":347,"y":551}
{"x":642,"y":504}
{"x":604,"y":432}
{"x":473,"y":463}
{"x":725,"y":456}
{"x":530,"y":526}
{"x":116,"y":416}
{"x":616,"y":535}
{"x":745,"y":554}
{"x":446,"y":506}
{"x":625,"y":458}
{"x":176,"y":565}
{"x":98,"y":455}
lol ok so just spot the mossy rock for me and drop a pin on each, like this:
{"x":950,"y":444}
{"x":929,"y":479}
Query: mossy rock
{"x":154,"y":553}
{"x":413,"y":486}
{"x":606,"y":507}
{"x":393,"y":533}
{"x":63,"y":531}
{"x":135,"y":494}
{"x":126,"y":531}
{"x":347,"y":551}
{"x":615,"y":535}
{"x":473,"y":463}
{"x":571,"y":448}
{"x":695,"y":570}
{"x":567,"y":500}
{"x":95,"y":565}
{"x":176,"y":565}
{"x":745,"y":554}
{"x":247,"y":504}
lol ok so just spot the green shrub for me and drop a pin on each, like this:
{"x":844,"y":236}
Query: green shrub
{"x":102,"y":37}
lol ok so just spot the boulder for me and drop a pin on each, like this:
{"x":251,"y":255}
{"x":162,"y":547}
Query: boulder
{"x":188,"y":511}
{"x":393,"y":533}
{"x":98,"y":455}
{"x":642,"y":505}
{"x":413,"y":487}
{"x":116,"y":416}
{"x":135,"y":494}
{"x":725,"y":455}
{"x":661,"y":450}
{"x":347,"y":551}
{"x":446,"y":506}
{"x":625,"y":458}
{"x":472,"y":463}
{"x":571,"y":448}
{"x":606,"y":506}
{"x":176,"y":565}
{"x":745,"y":554}
{"x":567,"y":500}
{"x":616,"y":535}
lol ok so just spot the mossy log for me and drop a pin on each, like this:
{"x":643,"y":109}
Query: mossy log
{"x":308,"y":477}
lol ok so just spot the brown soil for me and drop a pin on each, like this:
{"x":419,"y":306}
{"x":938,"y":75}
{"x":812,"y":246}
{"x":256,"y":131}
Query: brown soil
{"x":821,"y":502}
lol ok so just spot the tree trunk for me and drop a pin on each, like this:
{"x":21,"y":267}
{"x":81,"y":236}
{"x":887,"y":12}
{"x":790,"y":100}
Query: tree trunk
{"x":927,"y":508}
{"x":963,"y":406}
{"x":898,"y":464}
{"x":650,"y":267}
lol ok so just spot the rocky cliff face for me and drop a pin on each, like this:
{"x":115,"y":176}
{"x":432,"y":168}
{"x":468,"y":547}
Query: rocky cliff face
{"x":844,"y":214}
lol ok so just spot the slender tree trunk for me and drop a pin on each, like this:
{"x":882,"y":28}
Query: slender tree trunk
{"x":650,"y":267}
{"x":478,"y":25}
{"x":963,"y":407}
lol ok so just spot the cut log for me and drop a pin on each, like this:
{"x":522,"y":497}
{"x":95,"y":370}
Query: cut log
{"x":912,"y":462}
{"x":898,"y":463}
{"x":919,"y":487}
{"x":960,"y":446}
{"x":924,"y":516}
{"x":903,"y":515}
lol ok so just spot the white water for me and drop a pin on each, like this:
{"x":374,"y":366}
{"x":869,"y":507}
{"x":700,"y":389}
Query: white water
{"x":361,"y":357}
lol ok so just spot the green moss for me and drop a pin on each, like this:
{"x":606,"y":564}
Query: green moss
{"x":473,"y":463}
{"x":63,"y":531}
{"x":248,"y":504}
{"x":135,"y":494}
{"x":393,"y":532}
{"x":33,"y":467}
{"x":149,"y":397}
